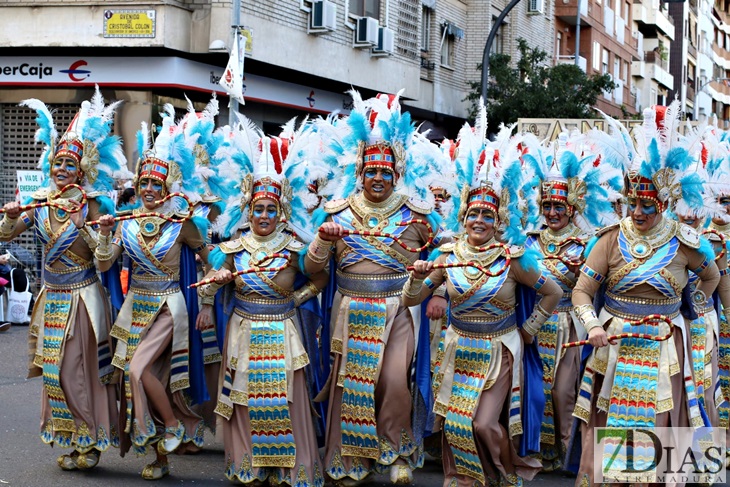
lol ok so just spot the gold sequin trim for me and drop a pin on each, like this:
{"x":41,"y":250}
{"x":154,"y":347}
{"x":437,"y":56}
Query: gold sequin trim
{"x":300,"y":361}
{"x":224,"y":410}
{"x":665,"y":405}
{"x":120,"y":333}
{"x":336,"y":345}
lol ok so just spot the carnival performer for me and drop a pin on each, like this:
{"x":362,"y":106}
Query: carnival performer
{"x":703,"y":329}
{"x":69,"y":329}
{"x":574,"y":205}
{"x":479,"y":367}
{"x":268,"y":429}
{"x":718,"y":232}
{"x":200,"y":134}
{"x":643,"y":263}
{"x":369,"y":419}
{"x":152,"y":326}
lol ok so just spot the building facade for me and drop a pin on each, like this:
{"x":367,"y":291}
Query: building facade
{"x":608,"y":43}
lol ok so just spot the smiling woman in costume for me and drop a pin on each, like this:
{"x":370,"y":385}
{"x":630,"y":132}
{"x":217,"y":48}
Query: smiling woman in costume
{"x":152,"y":326}
{"x":264,"y":403}
{"x":479,"y":368}
{"x":72,"y":316}
{"x":643,"y":263}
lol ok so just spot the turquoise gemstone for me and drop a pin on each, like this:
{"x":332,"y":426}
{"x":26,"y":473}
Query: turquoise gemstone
{"x":149,"y":227}
{"x":373,"y":222}
{"x":61,"y":213}
{"x":551,"y":248}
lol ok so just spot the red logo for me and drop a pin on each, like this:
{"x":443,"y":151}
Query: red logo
{"x":73,"y":70}
{"x":311,"y":99}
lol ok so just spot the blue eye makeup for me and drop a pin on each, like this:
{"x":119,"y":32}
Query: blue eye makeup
{"x":487,"y":216}
{"x":725,"y":201}
{"x":385,"y":174}
{"x":559,"y":209}
{"x":645,"y":209}
{"x":270,"y":212}
{"x":70,"y":166}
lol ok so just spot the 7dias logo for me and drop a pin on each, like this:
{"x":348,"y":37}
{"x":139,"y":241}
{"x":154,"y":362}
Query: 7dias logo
{"x":659,"y":455}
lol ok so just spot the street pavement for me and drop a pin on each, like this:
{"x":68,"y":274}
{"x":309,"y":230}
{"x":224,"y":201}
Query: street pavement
{"x":26,"y":462}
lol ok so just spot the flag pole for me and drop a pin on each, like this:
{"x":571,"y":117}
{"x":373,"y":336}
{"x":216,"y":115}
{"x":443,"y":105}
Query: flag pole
{"x":235,"y":22}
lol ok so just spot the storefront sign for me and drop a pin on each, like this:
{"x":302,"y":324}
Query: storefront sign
{"x":129,"y":23}
{"x":162,"y":72}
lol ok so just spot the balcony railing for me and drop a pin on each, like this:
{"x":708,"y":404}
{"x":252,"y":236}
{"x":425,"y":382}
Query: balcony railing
{"x":653,"y":57}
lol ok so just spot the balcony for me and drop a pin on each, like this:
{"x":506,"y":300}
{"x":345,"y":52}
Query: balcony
{"x":690,"y":90}
{"x":567,"y":11}
{"x":582,"y":62}
{"x":658,"y":69}
{"x":638,"y":69}
{"x":653,"y":16}
{"x":691,"y":50}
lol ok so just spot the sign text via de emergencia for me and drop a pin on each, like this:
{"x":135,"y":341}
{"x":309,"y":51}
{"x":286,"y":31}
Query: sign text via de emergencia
{"x":129,"y":23}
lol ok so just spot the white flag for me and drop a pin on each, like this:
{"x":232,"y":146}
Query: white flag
{"x":232,"y":79}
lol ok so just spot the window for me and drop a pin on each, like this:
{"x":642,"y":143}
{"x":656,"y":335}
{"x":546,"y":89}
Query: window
{"x":604,"y":62}
{"x":447,"y":50}
{"x":596,"y":56}
{"x":425,"y":28}
{"x":559,"y":45}
{"x":365,"y":8}
{"x":626,"y":11}
{"x":627,"y":70}
{"x":498,"y":43}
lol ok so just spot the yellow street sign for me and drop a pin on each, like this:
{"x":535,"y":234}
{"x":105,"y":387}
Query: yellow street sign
{"x":129,"y":23}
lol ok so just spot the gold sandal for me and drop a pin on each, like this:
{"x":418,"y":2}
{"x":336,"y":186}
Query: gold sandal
{"x":68,"y":462}
{"x":88,"y":460}
{"x":155,"y":470}
{"x":168,"y":445}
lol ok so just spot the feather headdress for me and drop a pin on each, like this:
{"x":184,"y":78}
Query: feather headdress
{"x":377,"y":134}
{"x":273,"y":168}
{"x":489,"y":176}
{"x":170,"y":159}
{"x":88,"y":141}
{"x":200,"y":133}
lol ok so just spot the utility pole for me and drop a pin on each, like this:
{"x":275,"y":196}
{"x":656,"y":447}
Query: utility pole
{"x":235,"y":21}
{"x":577,"y":35}
{"x":488,"y":47}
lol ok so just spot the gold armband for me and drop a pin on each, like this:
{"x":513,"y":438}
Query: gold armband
{"x":587,"y":316}
{"x":305,"y":293}
{"x":104,"y":250}
{"x":90,"y":237}
{"x":538,"y":317}
{"x":7,"y":226}
{"x":319,"y":250}
{"x":412,"y":288}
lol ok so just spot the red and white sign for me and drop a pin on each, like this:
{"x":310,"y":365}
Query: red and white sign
{"x":162,"y":72}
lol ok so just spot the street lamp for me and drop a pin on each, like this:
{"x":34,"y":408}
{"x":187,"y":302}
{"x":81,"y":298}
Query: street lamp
{"x":695,"y":109}
{"x":488,"y":47}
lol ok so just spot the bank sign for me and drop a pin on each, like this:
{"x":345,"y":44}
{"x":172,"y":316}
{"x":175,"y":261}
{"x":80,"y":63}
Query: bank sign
{"x":161,"y":72}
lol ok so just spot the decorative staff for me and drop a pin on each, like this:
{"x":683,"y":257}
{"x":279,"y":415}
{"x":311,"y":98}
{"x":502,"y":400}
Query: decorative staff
{"x":644,"y":336}
{"x":56,"y":203}
{"x":368,"y":233}
{"x":147,"y":214}
{"x":481,"y":268}
{"x":256,"y":267}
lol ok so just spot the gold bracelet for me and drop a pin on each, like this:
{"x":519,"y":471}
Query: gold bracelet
{"x":412,"y":289}
{"x":104,"y":250}
{"x":538,"y":318}
{"x":319,"y":250}
{"x":440,"y":291}
{"x":7,"y":226}
{"x":305,"y":293}
{"x":587,"y":316}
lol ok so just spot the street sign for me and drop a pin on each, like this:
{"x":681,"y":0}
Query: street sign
{"x":28,"y":183}
{"x":129,"y":23}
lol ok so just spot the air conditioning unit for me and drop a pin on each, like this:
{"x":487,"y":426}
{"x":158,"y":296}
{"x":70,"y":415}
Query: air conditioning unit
{"x":323,"y":17}
{"x":366,"y":32}
{"x":535,"y":6}
{"x":386,"y":42}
